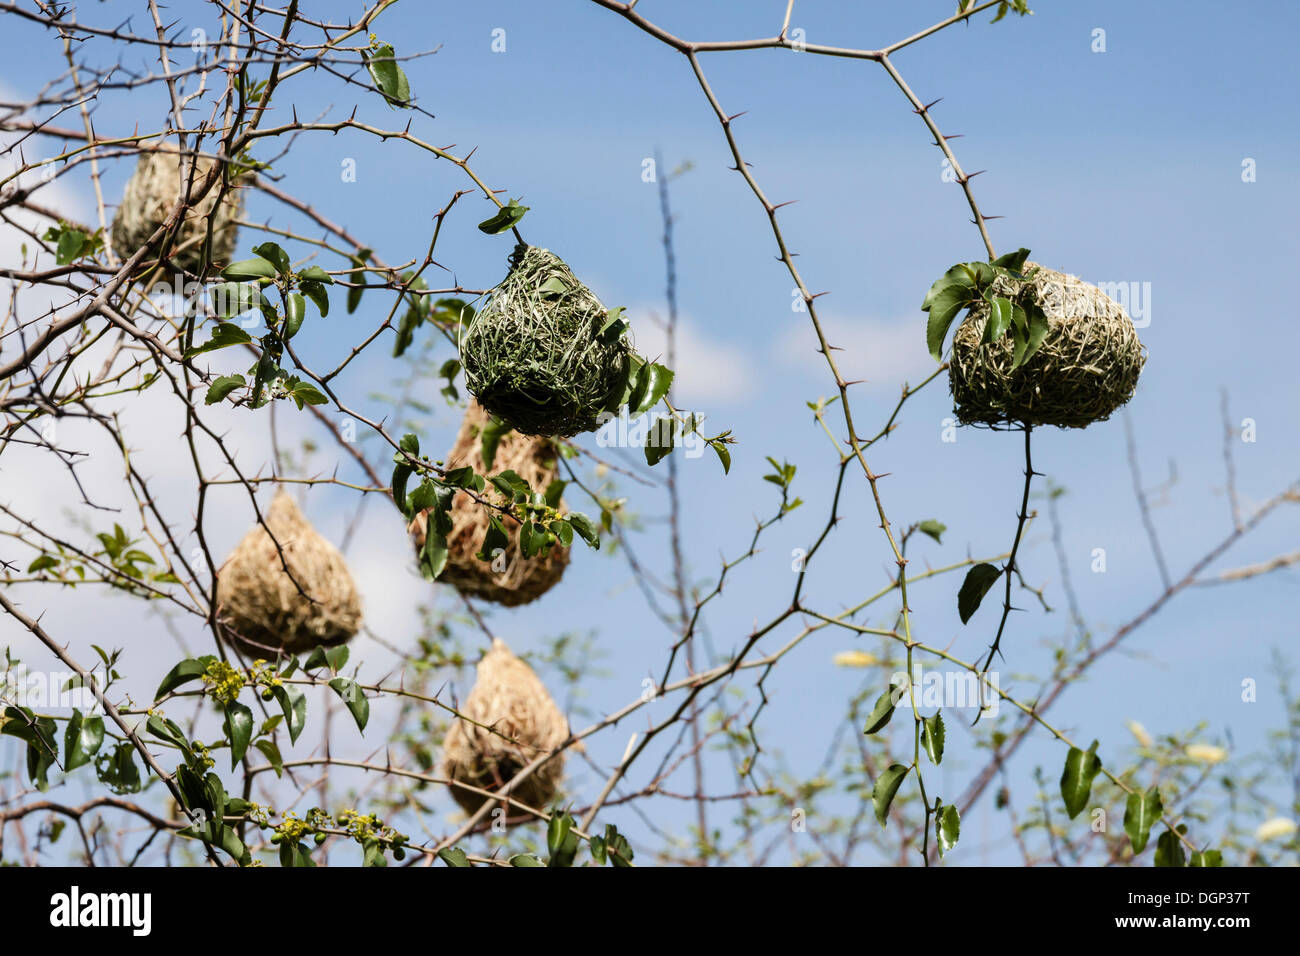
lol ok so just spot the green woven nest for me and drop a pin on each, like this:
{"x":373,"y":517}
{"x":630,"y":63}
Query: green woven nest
{"x":1086,"y":368}
{"x":543,"y":355}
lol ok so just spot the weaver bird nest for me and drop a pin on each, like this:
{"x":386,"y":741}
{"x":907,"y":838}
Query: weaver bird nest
{"x":543,"y":355}
{"x":161,"y":178}
{"x":509,"y":578}
{"x":1086,"y":368}
{"x":261,"y":606}
{"x":514,"y":722}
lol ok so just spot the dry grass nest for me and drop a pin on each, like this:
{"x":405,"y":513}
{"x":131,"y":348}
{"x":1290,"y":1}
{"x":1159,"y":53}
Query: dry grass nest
{"x":523,"y":579}
{"x":543,"y":355}
{"x":159,"y":181}
{"x":1086,"y":368}
{"x":519,"y":722}
{"x":262,"y":608}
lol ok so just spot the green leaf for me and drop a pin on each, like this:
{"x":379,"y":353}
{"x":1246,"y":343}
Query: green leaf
{"x":1141,"y":812}
{"x":617,"y":848}
{"x":187,"y":670}
{"x":959,"y":274}
{"x":586,"y":530}
{"x":494,"y":539}
{"x":224,"y":334}
{"x":597,"y":846}
{"x":614,"y":324}
{"x":258,"y":268}
{"x":239,"y":730}
{"x":934,"y":529}
{"x":295,"y":855}
{"x":229,"y":299}
{"x":273,"y":254}
{"x":999,"y":320}
{"x":883,"y":711}
{"x":1039,"y":326}
{"x":117,"y":770}
{"x":357,"y":702}
{"x":653,"y":382}
{"x":304,"y":393}
{"x":294,"y":704}
{"x":555,"y":286}
{"x":561,"y":841}
{"x":489,"y":437}
{"x":554,"y":491}
{"x":1169,"y":849}
{"x":950,"y":300}
{"x":388,"y":76}
{"x":71,"y":242}
{"x":165,"y":729}
{"x":932,"y":736}
{"x":1206,"y":858}
{"x":887,"y":784}
{"x":316,"y":292}
{"x":660,"y":440}
{"x":563,"y":531}
{"x":724,"y":455}
{"x":978,"y":581}
{"x":266,"y":369}
{"x":401,"y":473}
{"x":43,"y":563}
{"x":1076,"y":779}
{"x":525,"y":859}
{"x":82,"y":740}
{"x":947,"y":827}
{"x":223,"y":386}
{"x":272,"y":754}
{"x":433,"y":556}
{"x":332,"y":657}
{"x":358,"y":279}
{"x":1015,"y":261}
{"x":507,"y":217}
{"x":453,"y":856}
{"x":295,"y":310}
{"x":316,"y":274}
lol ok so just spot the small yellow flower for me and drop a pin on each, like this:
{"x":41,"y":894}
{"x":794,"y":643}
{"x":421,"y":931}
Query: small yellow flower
{"x":1275,"y":828}
{"x":1207,"y":753}
{"x":1139,"y":733}
{"x":855,"y":659}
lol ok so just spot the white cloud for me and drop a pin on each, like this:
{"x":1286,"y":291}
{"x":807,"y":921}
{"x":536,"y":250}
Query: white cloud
{"x":708,"y":371}
{"x":880,"y":353}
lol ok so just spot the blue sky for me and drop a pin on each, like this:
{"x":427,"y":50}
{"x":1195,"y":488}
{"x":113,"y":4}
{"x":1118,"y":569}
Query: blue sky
{"x":1116,"y":166}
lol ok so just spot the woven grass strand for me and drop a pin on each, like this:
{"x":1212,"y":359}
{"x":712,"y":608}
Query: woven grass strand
{"x":534,"y":355}
{"x":525,"y":723}
{"x":523,"y":579}
{"x":261,"y":608}
{"x":155,"y":187}
{"x":1086,"y":368}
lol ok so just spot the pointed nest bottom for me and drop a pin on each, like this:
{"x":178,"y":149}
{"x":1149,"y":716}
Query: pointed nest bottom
{"x":515,"y":722}
{"x":266,"y":611}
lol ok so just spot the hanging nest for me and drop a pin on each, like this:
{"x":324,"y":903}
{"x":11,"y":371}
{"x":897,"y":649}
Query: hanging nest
{"x":524,"y":723}
{"x":161,"y":178}
{"x":543,"y":355}
{"x":523,"y":579}
{"x":1087,"y":366}
{"x":263,"y":610}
